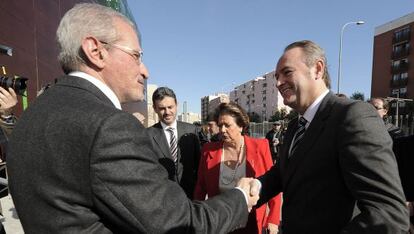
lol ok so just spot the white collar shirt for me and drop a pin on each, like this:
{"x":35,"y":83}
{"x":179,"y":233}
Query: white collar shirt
{"x":313,"y":108}
{"x":100,"y":85}
{"x":167,"y":132}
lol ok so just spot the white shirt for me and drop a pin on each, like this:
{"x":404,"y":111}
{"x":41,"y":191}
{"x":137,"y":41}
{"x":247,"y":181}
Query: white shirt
{"x":167,"y":133}
{"x":313,"y":108}
{"x":100,"y":85}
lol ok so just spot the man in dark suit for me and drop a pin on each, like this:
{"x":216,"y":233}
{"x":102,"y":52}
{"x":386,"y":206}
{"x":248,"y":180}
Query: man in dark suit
{"x":274,"y":137}
{"x":382,"y":106}
{"x":79,"y":164}
{"x":182,"y":167}
{"x":336,"y":157}
{"x":213,"y":129}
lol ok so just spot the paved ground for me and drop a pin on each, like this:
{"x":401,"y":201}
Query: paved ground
{"x":10,"y":220}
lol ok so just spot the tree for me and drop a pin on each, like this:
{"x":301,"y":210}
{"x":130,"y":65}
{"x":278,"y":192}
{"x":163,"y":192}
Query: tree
{"x":279,"y":115}
{"x":292,"y":114}
{"x":358,"y":96}
{"x":254,"y":117}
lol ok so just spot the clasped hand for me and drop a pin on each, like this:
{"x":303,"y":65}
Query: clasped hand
{"x":251,"y":188}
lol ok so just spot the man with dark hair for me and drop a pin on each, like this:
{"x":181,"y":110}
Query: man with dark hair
{"x":274,"y":136}
{"x":79,"y":164}
{"x":335,"y":157}
{"x":213,"y":129}
{"x":382,"y":106}
{"x":177,"y":143}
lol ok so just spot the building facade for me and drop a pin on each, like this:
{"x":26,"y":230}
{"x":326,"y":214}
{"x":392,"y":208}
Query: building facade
{"x":189,"y":117}
{"x":29,"y":28}
{"x":259,"y":96}
{"x":152,"y":117}
{"x":393,"y":61}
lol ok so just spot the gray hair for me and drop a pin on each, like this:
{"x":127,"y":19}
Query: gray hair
{"x":84,"y":20}
{"x":313,"y":52}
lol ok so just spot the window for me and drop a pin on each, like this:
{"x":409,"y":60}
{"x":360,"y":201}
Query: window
{"x":404,"y":76}
{"x":264,"y":85}
{"x":403,"y":91}
{"x":396,"y":77}
{"x":402,"y":34}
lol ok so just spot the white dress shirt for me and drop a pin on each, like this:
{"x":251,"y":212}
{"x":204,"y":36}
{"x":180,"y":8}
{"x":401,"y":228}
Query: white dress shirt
{"x":167,"y":133}
{"x":100,"y":85}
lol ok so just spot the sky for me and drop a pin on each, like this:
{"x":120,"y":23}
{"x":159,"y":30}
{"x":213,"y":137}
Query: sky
{"x":198,"y":48}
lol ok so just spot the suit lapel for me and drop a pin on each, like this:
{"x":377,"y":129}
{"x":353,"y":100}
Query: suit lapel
{"x":311,"y":137}
{"x":251,"y":150}
{"x":213,"y":165}
{"x":286,"y":145}
{"x":180,"y":133}
{"x":161,"y":140}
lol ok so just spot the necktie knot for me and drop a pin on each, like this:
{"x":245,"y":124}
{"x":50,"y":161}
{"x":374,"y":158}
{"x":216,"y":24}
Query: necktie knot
{"x":302,"y":122}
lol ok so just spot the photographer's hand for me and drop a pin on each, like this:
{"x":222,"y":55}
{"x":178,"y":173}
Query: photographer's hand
{"x":8,"y":100}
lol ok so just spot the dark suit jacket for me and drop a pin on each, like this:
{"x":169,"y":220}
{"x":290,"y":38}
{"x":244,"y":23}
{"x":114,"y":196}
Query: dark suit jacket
{"x":345,"y":158}
{"x":185,"y":173}
{"x":79,"y":165}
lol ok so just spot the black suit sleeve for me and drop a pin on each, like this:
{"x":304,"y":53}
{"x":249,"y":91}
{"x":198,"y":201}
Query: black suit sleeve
{"x":370,"y":172}
{"x":271,"y":184}
{"x":130,"y":188}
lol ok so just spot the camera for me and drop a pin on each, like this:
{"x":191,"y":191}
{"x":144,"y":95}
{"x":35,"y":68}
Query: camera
{"x":17,"y":84}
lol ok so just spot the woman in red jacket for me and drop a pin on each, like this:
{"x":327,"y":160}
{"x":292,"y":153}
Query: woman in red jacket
{"x":235,"y":156}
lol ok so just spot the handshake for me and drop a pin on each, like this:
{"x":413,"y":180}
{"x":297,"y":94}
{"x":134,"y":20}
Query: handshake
{"x":251,"y":188}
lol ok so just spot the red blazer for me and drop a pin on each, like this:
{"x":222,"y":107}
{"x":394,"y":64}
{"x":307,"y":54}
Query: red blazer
{"x":258,"y":162}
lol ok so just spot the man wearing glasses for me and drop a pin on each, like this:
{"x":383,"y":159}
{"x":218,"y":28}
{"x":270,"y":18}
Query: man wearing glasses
{"x":382,"y":106}
{"x":79,"y":164}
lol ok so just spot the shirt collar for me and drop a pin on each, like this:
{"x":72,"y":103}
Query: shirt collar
{"x":100,"y":85}
{"x":173,"y":125}
{"x":312,"y":109}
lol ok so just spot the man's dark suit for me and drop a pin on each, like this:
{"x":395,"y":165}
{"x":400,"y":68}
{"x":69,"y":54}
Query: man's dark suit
{"x":345,"y":158}
{"x":79,"y":165}
{"x":185,"y":173}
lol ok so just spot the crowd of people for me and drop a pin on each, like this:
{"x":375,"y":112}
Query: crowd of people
{"x":77,"y":163}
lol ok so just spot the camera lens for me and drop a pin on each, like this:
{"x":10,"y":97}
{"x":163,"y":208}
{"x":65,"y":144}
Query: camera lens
{"x":17,"y":84}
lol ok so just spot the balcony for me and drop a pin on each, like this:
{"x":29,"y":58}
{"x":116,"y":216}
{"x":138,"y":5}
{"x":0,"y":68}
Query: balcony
{"x":402,"y":67}
{"x":401,"y":36}
{"x":398,"y":83}
{"x":400,"y":54}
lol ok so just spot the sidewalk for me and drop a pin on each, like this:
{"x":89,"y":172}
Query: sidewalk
{"x":10,"y":220}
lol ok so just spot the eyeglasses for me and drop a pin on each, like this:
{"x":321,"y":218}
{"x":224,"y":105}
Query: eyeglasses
{"x":378,"y":108}
{"x":136,"y":55}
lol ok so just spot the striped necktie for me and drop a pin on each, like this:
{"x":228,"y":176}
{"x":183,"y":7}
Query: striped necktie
{"x":300,"y":131}
{"x":173,"y":144}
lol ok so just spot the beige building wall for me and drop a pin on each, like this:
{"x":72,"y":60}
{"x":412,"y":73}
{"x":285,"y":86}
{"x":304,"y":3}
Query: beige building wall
{"x":189,"y":117}
{"x":152,"y":116}
{"x":214,"y":103}
{"x":259,"y":95}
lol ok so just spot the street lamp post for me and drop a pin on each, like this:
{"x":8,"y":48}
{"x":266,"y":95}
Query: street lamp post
{"x":340,"y":47}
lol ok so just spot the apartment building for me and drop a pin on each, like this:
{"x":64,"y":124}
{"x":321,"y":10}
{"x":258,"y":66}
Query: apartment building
{"x":393,"y":61}
{"x":259,"y":95}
